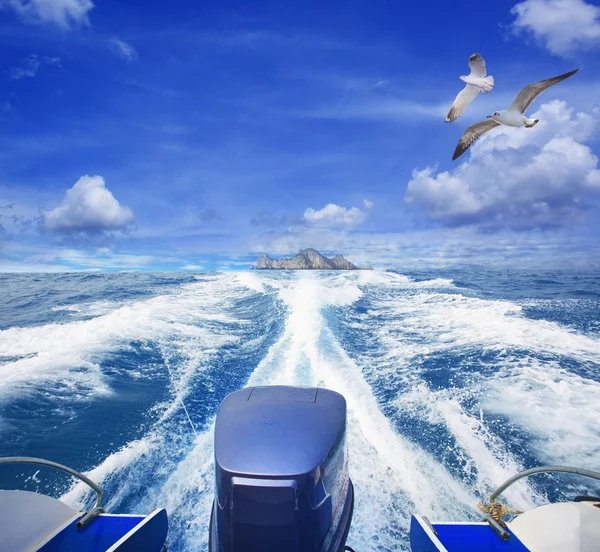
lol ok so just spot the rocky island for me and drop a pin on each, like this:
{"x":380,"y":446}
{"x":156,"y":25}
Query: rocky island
{"x":306,"y":259}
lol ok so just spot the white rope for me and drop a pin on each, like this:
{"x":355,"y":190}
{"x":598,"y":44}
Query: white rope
{"x":179,"y":396}
{"x":188,"y":416}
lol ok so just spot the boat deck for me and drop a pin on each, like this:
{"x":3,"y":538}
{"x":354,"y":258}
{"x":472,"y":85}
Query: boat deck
{"x":460,"y":537}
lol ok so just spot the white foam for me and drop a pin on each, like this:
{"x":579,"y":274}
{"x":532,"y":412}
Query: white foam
{"x":557,"y":406}
{"x":447,"y":321}
{"x":187,"y":494}
{"x":375,"y":277}
{"x":115,"y":462}
{"x":561,"y":410}
{"x":435,"y":283}
{"x":68,"y":355}
{"x":400,"y":280}
{"x":484,"y":456}
{"x":166,"y":468}
{"x":94,"y":308}
{"x":68,"y":308}
{"x":393,"y":476}
{"x":251,"y":281}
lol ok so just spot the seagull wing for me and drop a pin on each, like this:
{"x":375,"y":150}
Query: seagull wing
{"x":477,"y":65}
{"x":525,"y":98}
{"x":464,"y":98}
{"x":473,"y":133}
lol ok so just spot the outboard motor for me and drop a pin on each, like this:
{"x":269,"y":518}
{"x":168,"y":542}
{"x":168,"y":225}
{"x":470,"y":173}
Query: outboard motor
{"x":281,"y":464}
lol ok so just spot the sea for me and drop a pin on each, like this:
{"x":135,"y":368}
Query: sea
{"x":455,"y":380}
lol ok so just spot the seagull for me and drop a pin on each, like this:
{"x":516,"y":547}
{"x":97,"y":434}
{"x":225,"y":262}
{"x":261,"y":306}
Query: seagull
{"x":513,"y":116}
{"x":476,"y":82}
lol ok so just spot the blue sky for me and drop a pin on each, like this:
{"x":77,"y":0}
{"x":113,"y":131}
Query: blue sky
{"x":151,"y":135}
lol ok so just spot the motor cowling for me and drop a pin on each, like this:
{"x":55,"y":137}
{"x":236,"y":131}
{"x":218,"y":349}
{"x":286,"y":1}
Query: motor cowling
{"x":281,"y":470}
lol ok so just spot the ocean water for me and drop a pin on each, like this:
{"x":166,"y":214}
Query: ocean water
{"x":454,"y":380}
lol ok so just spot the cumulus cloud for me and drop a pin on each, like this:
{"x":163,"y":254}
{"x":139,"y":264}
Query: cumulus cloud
{"x":333,"y":215}
{"x":562,"y":26}
{"x":31,"y":65}
{"x":63,"y":13}
{"x":517,"y":178}
{"x":123,"y":49}
{"x":88,"y":209}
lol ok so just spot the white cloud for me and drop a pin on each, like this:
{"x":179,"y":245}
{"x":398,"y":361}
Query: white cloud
{"x":20,"y":267}
{"x":593,"y":180}
{"x":193,"y":267}
{"x":443,"y":247}
{"x":88,"y":208}
{"x":31,"y":65}
{"x":517,"y":178}
{"x":63,"y":13}
{"x":563,"y":26}
{"x":28,"y":69}
{"x":101,"y":258}
{"x":123,"y":49}
{"x":335,"y":216}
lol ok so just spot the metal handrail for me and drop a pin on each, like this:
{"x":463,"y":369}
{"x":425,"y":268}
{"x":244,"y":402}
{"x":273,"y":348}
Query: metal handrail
{"x":89,"y":516}
{"x":543,"y":469}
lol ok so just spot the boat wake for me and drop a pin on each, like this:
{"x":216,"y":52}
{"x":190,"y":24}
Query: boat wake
{"x":449,"y":392}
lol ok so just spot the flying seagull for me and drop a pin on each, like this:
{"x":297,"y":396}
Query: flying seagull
{"x":476,"y":82}
{"x":513,"y":116}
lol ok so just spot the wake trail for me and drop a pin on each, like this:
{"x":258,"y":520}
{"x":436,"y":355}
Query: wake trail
{"x":393,"y":476}
{"x":171,"y":466}
{"x":372,"y":337}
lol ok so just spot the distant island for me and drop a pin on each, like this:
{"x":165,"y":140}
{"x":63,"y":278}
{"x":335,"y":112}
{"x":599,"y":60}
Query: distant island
{"x":306,"y":259}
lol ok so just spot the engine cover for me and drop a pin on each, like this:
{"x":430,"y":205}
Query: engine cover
{"x":281,"y":466}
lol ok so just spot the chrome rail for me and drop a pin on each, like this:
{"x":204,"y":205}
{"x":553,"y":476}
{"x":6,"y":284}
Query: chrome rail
{"x":87,"y":517}
{"x":543,"y":469}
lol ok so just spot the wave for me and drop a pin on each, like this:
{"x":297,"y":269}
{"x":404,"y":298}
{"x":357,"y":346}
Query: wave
{"x":445,"y":360}
{"x":449,"y":392}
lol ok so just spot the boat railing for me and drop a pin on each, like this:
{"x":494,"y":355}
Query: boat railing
{"x":542,"y":469}
{"x":496,"y":511}
{"x":89,"y":516}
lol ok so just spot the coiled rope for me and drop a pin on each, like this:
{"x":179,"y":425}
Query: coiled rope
{"x":497,"y":511}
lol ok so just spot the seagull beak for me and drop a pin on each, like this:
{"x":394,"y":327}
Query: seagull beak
{"x":489,"y":117}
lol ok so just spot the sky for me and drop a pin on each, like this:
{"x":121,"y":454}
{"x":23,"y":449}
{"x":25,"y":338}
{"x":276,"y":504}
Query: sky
{"x":146,"y":135}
